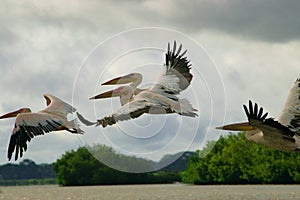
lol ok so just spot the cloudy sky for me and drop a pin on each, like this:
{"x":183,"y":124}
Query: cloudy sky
{"x":240,"y":50}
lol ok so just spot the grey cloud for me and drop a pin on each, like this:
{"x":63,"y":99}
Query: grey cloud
{"x":269,"y":20}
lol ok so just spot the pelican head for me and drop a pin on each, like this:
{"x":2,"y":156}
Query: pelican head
{"x":129,"y":78}
{"x":243,"y":126}
{"x":15,"y":113}
{"x":119,"y":92}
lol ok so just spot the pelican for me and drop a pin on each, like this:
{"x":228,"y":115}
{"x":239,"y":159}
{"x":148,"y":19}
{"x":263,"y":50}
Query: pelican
{"x":161,"y":98}
{"x":282,"y":134}
{"x":29,"y":125}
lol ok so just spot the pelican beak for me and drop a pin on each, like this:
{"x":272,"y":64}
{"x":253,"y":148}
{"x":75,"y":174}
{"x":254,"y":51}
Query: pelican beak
{"x":119,"y":80}
{"x":11,"y":114}
{"x":244,"y":126}
{"x":108,"y":94}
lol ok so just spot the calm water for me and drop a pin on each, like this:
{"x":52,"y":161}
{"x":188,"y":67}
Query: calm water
{"x":172,"y":191}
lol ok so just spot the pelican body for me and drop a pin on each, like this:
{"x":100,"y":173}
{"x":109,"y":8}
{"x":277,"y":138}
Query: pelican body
{"x":283,"y":134}
{"x":161,"y":98}
{"x":29,"y":125}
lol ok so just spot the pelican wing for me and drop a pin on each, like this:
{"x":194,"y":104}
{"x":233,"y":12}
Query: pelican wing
{"x":290,"y":114}
{"x":176,"y":77}
{"x":268,"y":126}
{"x":132,"y":110}
{"x":27,"y":126}
{"x":57,"y":106}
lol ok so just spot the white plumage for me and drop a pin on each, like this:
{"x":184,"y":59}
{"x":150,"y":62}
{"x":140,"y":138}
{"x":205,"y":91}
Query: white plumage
{"x":161,"y":98}
{"x":290,"y":114}
{"x":29,"y":125}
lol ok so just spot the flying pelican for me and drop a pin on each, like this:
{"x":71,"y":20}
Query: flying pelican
{"x":160,"y":98}
{"x":283,"y":134}
{"x":28,"y":124}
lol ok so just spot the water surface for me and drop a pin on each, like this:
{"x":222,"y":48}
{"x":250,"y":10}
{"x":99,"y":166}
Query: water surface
{"x":147,"y":192}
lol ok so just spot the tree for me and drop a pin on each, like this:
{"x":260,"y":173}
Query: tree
{"x":80,"y":167}
{"x":236,"y":160}
{"x":26,"y":169}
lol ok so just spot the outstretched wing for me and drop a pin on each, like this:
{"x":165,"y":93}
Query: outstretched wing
{"x":57,"y":106}
{"x":27,"y":126}
{"x":133,"y":110}
{"x":258,"y":119}
{"x":176,"y":77}
{"x":290,"y":114}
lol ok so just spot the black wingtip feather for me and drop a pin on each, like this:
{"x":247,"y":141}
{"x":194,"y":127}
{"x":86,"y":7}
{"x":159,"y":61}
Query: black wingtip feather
{"x":17,"y":153}
{"x":18,"y":140}
{"x":11,"y":146}
{"x":250,"y":108}
{"x":255,"y":112}
{"x":179,"y":49}
{"x":174,"y":47}
{"x":260,"y":112}
{"x":264,"y":116}
{"x":246,"y":111}
{"x":181,"y":55}
{"x":176,"y":61}
{"x":256,"y":109}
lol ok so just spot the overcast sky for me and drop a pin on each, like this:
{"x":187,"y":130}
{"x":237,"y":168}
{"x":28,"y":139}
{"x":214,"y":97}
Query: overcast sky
{"x":240,"y":50}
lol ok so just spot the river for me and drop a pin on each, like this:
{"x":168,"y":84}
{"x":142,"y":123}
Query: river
{"x":149,"y":192}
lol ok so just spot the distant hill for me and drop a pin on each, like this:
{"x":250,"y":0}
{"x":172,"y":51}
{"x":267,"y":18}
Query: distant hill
{"x":179,"y":161}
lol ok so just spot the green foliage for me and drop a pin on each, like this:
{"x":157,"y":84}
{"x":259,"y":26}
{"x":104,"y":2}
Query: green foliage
{"x":165,"y":177}
{"x":80,"y":167}
{"x":26,"y":169}
{"x":46,"y":181}
{"x":235,"y":160}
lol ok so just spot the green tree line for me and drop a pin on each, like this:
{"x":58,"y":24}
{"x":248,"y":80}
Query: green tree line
{"x":27,"y":172}
{"x":235,"y":160}
{"x":26,"y":169}
{"x":230,"y":160}
{"x":44,"y":181}
{"x":80,"y":167}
